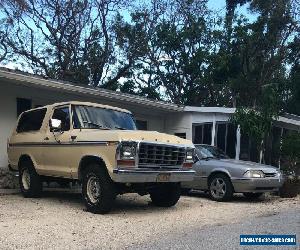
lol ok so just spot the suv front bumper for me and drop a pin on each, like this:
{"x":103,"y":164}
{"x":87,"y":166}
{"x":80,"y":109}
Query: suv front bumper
{"x":145,"y":175}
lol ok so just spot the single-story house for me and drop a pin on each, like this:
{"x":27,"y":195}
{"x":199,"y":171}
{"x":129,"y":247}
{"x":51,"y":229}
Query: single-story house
{"x":210,"y":125}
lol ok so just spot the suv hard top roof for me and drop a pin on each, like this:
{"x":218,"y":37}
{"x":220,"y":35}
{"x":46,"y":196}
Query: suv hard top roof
{"x":91,"y":104}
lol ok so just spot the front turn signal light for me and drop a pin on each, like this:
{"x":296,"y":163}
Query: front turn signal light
{"x":188,"y":165}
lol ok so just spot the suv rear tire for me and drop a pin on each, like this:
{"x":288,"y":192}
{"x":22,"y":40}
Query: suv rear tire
{"x":220,"y":187}
{"x":98,"y":190}
{"x":30,"y":182}
{"x":185,"y":191}
{"x":165,"y":195}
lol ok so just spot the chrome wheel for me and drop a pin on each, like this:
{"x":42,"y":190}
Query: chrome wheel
{"x":26,"y":179}
{"x":93,"y":189}
{"x":218,"y":188}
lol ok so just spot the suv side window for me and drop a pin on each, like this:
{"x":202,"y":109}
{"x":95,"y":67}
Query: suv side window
{"x":31,"y":121}
{"x":63,"y":114}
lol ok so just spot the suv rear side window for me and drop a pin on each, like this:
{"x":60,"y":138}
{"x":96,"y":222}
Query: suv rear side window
{"x":31,"y":121}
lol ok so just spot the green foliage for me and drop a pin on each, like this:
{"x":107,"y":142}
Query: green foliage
{"x":257,"y":70}
{"x":178,"y":51}
{"x":291,"y":146}
{"x":293,"y":89}
{"x":252,"y":122}
{"x":291,"y":153}
{"x":257,"y":122}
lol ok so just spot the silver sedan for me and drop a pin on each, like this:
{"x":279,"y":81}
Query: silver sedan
{"x":222,"y":177}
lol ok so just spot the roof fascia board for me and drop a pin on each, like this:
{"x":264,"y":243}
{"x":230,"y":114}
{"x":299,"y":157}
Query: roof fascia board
{"x":68,"y":87}
{"x":209,"y":109}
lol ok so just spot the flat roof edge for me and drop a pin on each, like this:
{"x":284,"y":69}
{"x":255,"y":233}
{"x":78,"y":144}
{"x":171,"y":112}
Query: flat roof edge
{"x":86,"y":90}
{"x":209,"y":109}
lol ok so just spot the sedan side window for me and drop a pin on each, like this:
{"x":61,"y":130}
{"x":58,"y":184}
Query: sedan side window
{"x":63,"y":114}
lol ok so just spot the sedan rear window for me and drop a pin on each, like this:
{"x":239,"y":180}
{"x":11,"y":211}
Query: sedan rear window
{"x":31,"y":121}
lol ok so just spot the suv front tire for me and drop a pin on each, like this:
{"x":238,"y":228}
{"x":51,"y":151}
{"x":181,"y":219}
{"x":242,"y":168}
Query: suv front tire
{"x":98,"y":190}
{"x":30,"y":182}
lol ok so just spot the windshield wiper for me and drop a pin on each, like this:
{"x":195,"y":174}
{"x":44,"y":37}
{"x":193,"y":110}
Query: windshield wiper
{"x":97,"y":125}
{"x":208,"y":158}
{"x":121,"y":128}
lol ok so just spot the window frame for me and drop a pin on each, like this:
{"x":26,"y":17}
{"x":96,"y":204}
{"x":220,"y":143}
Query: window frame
{"x":72,"y":107}
{"x":31,"y":111}
{"x":70,"y":113}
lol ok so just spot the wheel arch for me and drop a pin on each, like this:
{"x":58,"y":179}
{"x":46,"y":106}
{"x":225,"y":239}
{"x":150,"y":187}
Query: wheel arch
{"x":87,"y":160}
{"x":218,"y":171}
{"x":24,"y":158}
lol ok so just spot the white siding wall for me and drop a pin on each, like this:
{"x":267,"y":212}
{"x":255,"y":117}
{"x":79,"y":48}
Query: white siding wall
{"x":179,"y":123}
{"x":154,"y":123}
{"x":183,"y":122}
{"x":208,"y":117}
{"x":8,"y":116}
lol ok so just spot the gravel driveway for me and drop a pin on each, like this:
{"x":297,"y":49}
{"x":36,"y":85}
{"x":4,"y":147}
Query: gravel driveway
{"x":59,"y":221}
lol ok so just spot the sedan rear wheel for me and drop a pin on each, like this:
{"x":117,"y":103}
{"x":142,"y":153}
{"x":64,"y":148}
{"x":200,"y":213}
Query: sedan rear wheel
{"x":220,"y":188}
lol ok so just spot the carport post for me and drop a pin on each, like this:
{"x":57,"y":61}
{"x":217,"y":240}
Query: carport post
{"x":238,"y":143}
{"x":213,"y":130}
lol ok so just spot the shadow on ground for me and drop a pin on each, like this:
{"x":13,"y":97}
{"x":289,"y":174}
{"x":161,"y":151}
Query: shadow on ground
{"x":237,"y":198}
{"x":133,"y":203}
{"x":130,"y":203}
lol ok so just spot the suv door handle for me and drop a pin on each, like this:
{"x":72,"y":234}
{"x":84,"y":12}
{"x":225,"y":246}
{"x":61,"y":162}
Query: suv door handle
{"x":46,"y":138}
{"x":73,"y":137}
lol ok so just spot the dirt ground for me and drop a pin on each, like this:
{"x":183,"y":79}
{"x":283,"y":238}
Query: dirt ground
{"x":59,"y":220}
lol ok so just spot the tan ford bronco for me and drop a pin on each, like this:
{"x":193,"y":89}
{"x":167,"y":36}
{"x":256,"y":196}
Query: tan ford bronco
{"x":99,"y":146}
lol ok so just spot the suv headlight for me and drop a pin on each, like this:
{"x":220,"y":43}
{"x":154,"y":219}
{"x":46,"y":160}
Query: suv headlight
{"x":190,"y":155}
{"x":189,"y":158}
{"x":127,"y":150}
{"x":254,"y":174}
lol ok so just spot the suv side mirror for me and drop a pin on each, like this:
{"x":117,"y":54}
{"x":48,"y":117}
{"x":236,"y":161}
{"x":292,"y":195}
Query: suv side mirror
{"x":55,"y":125}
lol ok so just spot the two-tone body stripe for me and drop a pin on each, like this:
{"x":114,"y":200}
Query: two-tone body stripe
{"x":52,"y":144}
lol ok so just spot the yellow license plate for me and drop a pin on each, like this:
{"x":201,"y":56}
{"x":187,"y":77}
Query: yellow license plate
{"x":163,"y":177}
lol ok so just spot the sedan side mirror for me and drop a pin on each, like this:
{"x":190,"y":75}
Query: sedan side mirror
{"x":55,"y":125}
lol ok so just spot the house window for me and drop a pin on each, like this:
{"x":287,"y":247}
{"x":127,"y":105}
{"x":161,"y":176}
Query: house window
{"x":23,"y":104}
{"x":221,"y":134}
{"x":207,"y":133}
{"x":141,"y":125}
{"x":231,"y":140}
{"x":198,"y":134}
{"x":181,"y":135}
{"x":203,"y":133}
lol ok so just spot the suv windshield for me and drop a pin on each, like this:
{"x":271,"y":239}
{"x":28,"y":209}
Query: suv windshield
{"x":206,"y":151}
{"x":88,"y":117}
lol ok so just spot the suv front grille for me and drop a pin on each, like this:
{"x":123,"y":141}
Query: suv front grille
{"x":155,"y":155}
